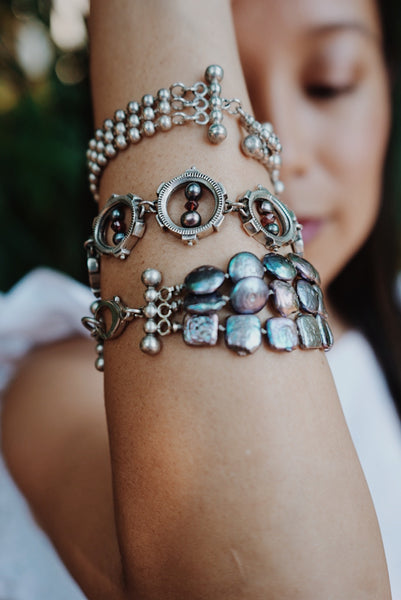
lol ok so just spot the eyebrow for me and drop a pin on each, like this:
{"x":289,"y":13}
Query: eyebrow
{"x":339,"y":26}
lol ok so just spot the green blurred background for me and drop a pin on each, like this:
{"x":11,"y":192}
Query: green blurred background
{"x":45,"y":124}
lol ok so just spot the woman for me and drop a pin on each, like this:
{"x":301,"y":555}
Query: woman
{"x":307,"y":56}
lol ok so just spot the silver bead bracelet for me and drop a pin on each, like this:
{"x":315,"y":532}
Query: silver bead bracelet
{"x":179,"y":104}
{"x":121,"y":223}
{"x":288,"y":285}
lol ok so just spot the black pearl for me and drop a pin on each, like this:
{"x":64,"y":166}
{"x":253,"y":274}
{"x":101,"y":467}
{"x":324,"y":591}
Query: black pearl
{"x":118,"y":237}
{"x":190,"y":218}
{"x":117,"y":214}
{"x":193,"y":191}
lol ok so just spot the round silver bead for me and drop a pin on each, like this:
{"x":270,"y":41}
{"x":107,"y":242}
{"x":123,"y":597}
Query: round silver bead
{"x":213,"y":73}
{"x":191,"y":218}
{"x":164,"y":122}
{"x":134,"y":135}
{"x":247,"y":120}
{"x":147,"y":100}
{"x":215,"y":88}
{"x":217,"y":133}
{"x":108,"y":125}
{"x":252,"y":146}
{"x":119,"y":128}
{"x":121,"y":142}
{"x":133,"y":120}
{"x":163,"y":94}
{"x":151,"y":277}
{"x":110,"y":151}
{"x":119,"y":115}
{"x":109,"y":136}
{"x":98,"y":134}
{"x":150,"y":344}
{"x":93,"y":188}
{"x":256,"y":128}
{"x":133,"y":107}
{"x":150,"y":310}
{"x":95,"y":168}
{"x":99,"y":348}
{"x":278,"y":187}
{"x":266,"y":130}
{"x":215,"y":102}
{"x":88,"y":154}
{"x":92,"y":178}
{"x":92,"y":144}
{"x":150,"y":294}
{"x":150,"y":326}
{"x":164,"y":108}
{"x":148,"y":113}
{"x":275,"y":175}
{"x":99,"y":363}
{"x":148,"y":128}
{"x":100,"y":147}
{"x":94,"y":306}
{"x":216,"y":116}
{"x":102,"y":160}
{"x":93,"y":156}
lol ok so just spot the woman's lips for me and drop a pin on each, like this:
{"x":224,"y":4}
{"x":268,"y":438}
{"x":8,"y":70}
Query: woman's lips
{"x":310,"y":228}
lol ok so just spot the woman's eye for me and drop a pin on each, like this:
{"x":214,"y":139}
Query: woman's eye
{"x":321,"y":91}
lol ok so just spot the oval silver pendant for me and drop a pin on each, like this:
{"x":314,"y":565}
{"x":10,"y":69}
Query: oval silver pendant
{"x":244,"y":264}
{"x":204,"y":280}
{"x":190,"y":235}
{"x":249,"y":295}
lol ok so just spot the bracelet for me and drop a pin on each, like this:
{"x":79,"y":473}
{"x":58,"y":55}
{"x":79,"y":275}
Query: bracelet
{"x":121,"y":223}
{"x":179,"y":104}
{"x":288,"y":285}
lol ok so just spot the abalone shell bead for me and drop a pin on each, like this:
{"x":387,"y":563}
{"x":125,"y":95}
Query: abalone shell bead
{"x":202,"y":304}
{"x":309,"y":333}
{"x":200,"y":330}
{"x":243,"y":334}
{"x":279,"y":266}
{"x":204,"y":280}
{"x":304,"y":268}
{"x":244,"y":264}
{"x":282,"y":333}
{"x":284,"y":298}
{"x":308,"y":298}
{"x":325,"y":332}
{"x":249,"y":295}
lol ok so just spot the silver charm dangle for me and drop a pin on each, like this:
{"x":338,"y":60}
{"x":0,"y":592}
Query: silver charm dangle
{"x":113,"y":218}
{"x":191,"y":228}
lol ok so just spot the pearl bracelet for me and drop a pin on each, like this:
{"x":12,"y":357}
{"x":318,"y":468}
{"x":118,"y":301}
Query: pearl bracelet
{"x":121,"y":223}
{"x":289,"y":286}
{"x":179,"y":104}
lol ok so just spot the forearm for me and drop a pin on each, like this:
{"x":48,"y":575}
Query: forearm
{"x":233,"y":477}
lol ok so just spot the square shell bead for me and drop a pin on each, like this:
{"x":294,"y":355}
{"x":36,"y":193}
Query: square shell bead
{"x":243,"y":334}
{"x":309,"y":333}
{"x":200,"y":330}
{"x":284,"y":298}
{"x":282,"y":333}
{"x":308,"y":297}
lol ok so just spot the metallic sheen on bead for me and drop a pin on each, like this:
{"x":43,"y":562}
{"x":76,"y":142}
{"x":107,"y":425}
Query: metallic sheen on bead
{"x":151,"y":277}
{"x":279,"y":266}
{"x":281,"y":333}
{"x":284,"y":299}
{"x":164,"y":108}
{"x":193,"y":191}
{"x":118,"y":238}
{"x":304,"y":268}
{"x":147,"y":100}
{"x":278,"y":187}
{"x":273,"y":228}
{"x":164,"y":122}
{"x":108,"y":125}
{"x":202,"y":304}
{"x":216,"y":116}
{"x":99,"y":363}
{"x":148,"y":113}
{"x":217,"y":133}
{"x":252,"y":146}
{"x":119,"y":115}
{"x":243,"y":334}
{"x":119,"y":128}
{"x":244,"y":264}
{"x":200,"y":330}
{"x":98,"y":134}
{"x":307,"y":295}
{"x":214,"y":72}
{"x":134,"y":121}
{"x":150,"y":294}
{"x":150,"y":310}
{"x":150,"y":344}
{"x":148,"y":128}
{"x":108,"y":137}
{"x":309,"y":333}
{"x":110,"y":151}
{"x":121,"y":142}
{"x":133,"y":107}
{"x":134,"y":135}
{"x":163,"y":94}
{"x":102,"y":160}
{"x":191,"y":218}
{"x":204,"y":280}
{"x":249,"y":295}
{"x":150,"y":326}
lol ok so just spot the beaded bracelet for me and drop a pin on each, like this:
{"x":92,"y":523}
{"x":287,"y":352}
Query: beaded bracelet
{"x":179,"y":104}
{"x":121,"y":223}
{"x":288,"y":285}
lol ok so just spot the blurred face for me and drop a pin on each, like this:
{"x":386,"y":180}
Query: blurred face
{"x":315,"y":69}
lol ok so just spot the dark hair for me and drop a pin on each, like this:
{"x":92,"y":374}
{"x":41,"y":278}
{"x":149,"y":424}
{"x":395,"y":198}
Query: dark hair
{"x":365,"y":291}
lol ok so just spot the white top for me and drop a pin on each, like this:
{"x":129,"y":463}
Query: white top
{"x":46,"y":305}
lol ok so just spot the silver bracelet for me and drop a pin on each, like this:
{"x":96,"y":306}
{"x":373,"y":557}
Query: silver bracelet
{"x":121,"y":223}
{"x":288,"y":285}
{"x":179,"y":104}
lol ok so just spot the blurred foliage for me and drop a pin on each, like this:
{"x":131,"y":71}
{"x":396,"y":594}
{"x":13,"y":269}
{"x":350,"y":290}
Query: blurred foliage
{"x":45,"y":206}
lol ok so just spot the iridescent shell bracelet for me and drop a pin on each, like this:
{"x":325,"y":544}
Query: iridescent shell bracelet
{"x":200,"y":103}
{"x":211,"y":303}
{"x":122,"y":222}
